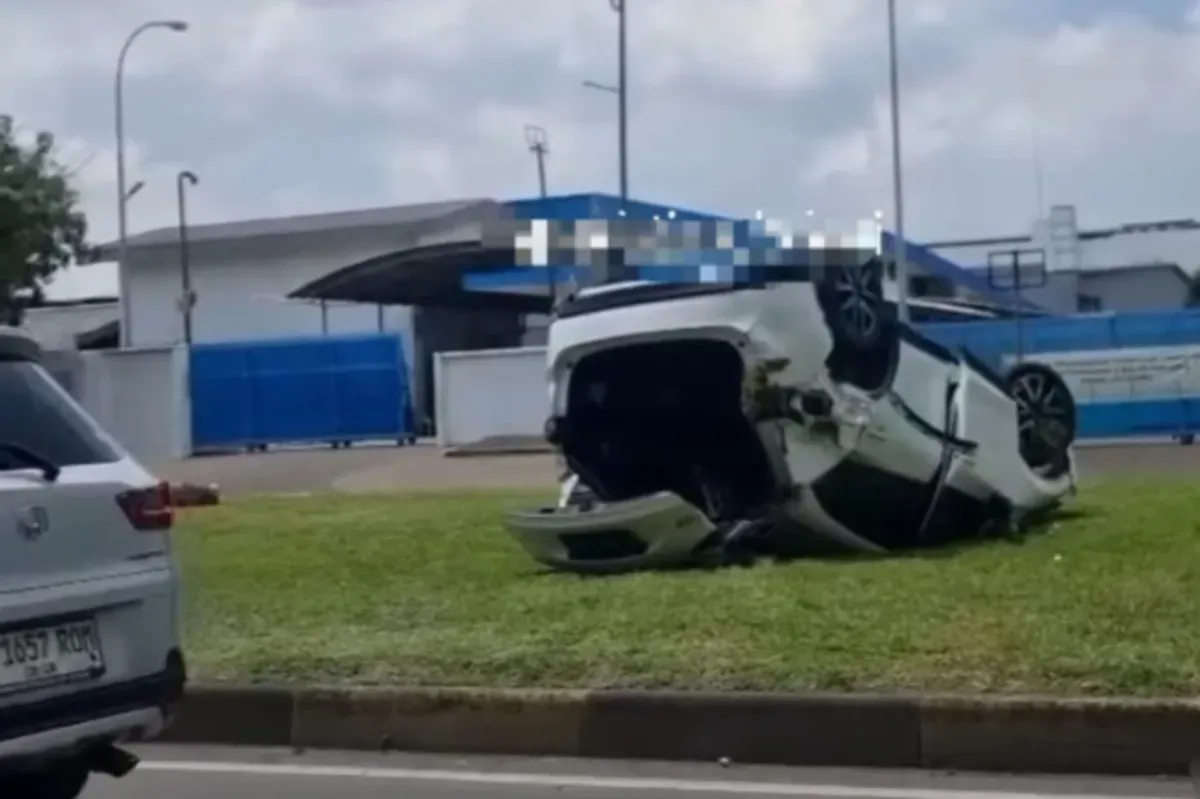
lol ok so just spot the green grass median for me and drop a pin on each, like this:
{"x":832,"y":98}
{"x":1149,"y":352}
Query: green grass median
{"x":428,"y":589}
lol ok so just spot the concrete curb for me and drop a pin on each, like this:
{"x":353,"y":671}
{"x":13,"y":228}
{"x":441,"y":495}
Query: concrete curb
{"x":516,"y":449}
{"x":1100,"y":736}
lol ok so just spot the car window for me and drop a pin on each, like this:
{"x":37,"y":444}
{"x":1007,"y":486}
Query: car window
{"x":38,"y":414}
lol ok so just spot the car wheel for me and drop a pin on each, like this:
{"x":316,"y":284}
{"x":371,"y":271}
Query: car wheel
{"x":59,"y":781}
{"x":851,"y":299}
{"x":1046,"y":415}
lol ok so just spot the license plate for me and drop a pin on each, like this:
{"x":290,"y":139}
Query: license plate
{"x":55,"y":653}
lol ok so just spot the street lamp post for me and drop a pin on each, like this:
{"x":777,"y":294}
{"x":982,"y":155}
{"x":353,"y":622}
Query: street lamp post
{"x":619,"y":90}
{"x":622,"y":93}
{"x":178,"y":26}
{"x":539,"y":144}
{"x":899,"y":255}
{"x":187,"y":297}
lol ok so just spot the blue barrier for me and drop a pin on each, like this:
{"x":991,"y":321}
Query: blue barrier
{"x":1166,"y":417}
{"x":349,"y":388}
{"x":1071,"y":333}
{"x":1137,"y":416}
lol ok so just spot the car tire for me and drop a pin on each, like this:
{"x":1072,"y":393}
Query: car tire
{"x":866,"y":345}
{"x":852,"y":302}
{"x":1047,"y":417}
{"x":56,"y":781}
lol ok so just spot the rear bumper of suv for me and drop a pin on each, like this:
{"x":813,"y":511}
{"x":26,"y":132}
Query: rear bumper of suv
{"x":134,"y":710}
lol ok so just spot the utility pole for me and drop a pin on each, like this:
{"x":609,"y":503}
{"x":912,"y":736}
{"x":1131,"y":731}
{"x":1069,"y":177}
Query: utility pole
{"x":123,"y":193}
{"x":898,"y":252}
{"x":621,"y":91}
{"x":187,"y":297}
{"x":622,"y":96}
{"x":538,"y":142}
{"x":539,"y":145}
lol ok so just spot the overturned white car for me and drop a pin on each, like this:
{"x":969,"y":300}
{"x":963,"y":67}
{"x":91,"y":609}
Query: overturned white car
{"x":787,"y":415}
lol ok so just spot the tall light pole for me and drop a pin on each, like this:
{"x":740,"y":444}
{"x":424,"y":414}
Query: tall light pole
{"x":187,"y":297}
{"x":539,"y":144}
{"x":178,"y":26}
{"x":619,"y":90}
{"x":898,"y":252}
{"x":622,"y":93}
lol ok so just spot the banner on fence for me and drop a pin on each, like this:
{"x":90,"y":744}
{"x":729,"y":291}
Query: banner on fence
{"x":1141,"y":373}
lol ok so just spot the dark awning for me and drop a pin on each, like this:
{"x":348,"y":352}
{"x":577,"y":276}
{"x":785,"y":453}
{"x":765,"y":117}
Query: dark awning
{"x":106,"y":336}
{"x":428,"y":276}
{"x":431,"y":271}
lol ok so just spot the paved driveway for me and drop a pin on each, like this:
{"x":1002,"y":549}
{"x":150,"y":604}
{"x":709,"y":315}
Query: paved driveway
{"x":364,"y":468}
{"x":1138,"y":459}
{"x":383,"y":468}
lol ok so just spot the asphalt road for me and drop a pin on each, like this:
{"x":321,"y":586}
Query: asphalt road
{"x":204,"y":773}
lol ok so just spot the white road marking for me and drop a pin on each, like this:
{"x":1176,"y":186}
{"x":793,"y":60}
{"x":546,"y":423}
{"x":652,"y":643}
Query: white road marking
{"x":602,"y":783}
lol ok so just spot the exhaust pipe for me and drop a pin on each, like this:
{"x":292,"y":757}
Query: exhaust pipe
{"x":112,"y":761}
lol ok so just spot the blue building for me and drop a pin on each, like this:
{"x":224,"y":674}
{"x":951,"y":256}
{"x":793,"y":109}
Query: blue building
{"x":930,"y":273}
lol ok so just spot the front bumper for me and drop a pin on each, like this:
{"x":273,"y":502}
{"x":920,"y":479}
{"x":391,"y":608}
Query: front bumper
{"x":655,"y":530}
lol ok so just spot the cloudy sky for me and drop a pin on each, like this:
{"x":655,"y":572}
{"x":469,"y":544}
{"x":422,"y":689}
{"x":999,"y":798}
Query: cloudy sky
{"x":290,"y":106}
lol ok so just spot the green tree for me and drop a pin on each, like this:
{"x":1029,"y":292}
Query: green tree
{"x":42,"y":229}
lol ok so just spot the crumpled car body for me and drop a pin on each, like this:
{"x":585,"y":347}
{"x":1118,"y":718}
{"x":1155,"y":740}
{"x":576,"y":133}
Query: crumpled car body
{"x":708,"y":421}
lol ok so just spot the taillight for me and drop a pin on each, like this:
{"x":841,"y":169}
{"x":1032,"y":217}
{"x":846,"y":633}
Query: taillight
{"x":148,"y":508}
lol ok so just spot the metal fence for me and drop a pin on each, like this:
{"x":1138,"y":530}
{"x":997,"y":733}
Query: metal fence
{"x":327,"y":389}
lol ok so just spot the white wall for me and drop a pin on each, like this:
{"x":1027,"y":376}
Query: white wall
{"x":138,"y":395}
{"x":56,"y":326}
{"x":240,"y":292}
{"x":1146,"y":289}
{"x":486,"y":393}
{"x":1156,"y":246}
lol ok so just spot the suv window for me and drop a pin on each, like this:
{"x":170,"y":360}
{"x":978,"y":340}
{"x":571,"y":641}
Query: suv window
{"x":37,"y":413}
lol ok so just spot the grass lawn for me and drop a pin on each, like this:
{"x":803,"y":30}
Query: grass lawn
{"x":428,"y":588}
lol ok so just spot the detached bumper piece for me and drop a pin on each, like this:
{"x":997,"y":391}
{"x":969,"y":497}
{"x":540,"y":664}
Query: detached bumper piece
{"x":652,"y":531}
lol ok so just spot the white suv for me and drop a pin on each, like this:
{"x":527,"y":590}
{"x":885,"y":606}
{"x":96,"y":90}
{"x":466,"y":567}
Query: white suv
{"x":89,"y":590}
{"x":787,"y":411}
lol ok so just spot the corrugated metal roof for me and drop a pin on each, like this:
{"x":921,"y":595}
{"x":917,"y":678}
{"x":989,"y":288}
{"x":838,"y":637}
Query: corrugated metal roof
{"x":291,"y":225}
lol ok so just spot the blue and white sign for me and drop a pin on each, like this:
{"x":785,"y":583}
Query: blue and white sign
{"x":1138,"y":373}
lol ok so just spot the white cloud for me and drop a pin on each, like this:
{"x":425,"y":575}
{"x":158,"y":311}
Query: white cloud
{"x":307,"y":105}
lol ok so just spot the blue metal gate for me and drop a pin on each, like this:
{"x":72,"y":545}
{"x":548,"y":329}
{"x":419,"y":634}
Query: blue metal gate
{"x":334,"y":389}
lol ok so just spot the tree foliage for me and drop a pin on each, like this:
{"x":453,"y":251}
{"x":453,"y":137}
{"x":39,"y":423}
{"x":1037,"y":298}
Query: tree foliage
{"x":42,"y":229}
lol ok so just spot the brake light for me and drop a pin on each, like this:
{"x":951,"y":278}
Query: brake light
{"x":148,"y":509}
